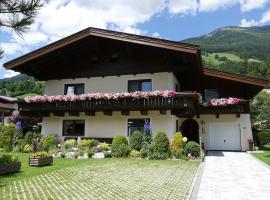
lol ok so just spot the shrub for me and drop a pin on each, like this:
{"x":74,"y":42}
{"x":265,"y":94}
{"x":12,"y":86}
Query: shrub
{"x":104,"y":146}
{"x":6,"y":136}
{"x":177,"y":145}
{"x":263,"y":137}
{"x":136,"y":140}
{"x":85,"y":143}
{"x":144,"y":151}
{"x":135,"y":154}
{"x":108,"y":154}
{"x":94,"y":142}
{"x":18,"y":136}
{"x":7,"y":158}
{"x":120,"y":146}
{"x":192,"y":148}
{"x":70,"y":143}
{"x":50,"y":141}
{"x":28,"y":137}
{"x":27,"y":148}
{"x":90,"y":152}
{"x":160,"y":148}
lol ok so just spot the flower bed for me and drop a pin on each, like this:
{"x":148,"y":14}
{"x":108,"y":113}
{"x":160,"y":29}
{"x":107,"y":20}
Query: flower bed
{"x":9,"y":164}
{"x":40,"y":159}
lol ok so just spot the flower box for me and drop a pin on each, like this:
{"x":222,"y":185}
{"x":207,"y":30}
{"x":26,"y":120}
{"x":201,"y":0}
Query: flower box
{"x":40,"y":161}
{"x":10,"y":167}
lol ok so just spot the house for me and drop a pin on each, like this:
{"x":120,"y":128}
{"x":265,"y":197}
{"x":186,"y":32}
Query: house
{"x":105,"y":65}
{"x":7,"y":106}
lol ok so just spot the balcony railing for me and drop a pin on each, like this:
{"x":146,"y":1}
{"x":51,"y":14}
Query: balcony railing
{"x":181,"y":101}
{"x":241,"y":108}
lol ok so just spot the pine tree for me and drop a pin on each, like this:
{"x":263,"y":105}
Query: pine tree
{"x":18,"y":15}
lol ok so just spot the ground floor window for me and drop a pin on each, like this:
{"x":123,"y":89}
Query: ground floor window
{"x":73,"y":127}
{"x":136,"y":125}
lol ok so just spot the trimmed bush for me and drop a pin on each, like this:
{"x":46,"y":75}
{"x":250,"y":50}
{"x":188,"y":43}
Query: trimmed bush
{"x":28,"y":137}
{"x":263,"y":138}
{"x":160,"y":148}
{"x":135,"y":154}
{"x":177,"y":145}
{"x":192,"y":148}
{"x":104,"y":146}
{"x":120,"y":146}
{"x":136,"y":140}
{"x":50,"y":141}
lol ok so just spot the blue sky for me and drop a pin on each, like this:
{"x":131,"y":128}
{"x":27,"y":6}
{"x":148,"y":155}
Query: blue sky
{"x":169,"y":19}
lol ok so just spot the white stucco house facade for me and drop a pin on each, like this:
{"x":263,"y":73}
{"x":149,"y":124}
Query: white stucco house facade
{"x":101,"y":62}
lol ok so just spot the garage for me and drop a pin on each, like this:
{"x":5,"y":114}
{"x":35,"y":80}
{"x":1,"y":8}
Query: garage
{"x":224,"y":136}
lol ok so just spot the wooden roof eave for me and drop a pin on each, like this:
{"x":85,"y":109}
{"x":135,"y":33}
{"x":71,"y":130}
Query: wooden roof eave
{"x":143,"y":40}
{"x":236,"y":77}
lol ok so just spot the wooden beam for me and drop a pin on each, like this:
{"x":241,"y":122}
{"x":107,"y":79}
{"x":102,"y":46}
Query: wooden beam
{"x":107,"y":112}
{"x":90,"y":113}
{"x":238,"y":115}
{"x":74,"y":113}
{"x":125,"y":112}
{"x":59,"y":113}
{"x":144,"y":112}
{"x":217,"y":115}
{"x":162,"y":112}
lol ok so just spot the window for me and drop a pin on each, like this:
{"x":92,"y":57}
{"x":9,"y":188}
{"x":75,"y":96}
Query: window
{"x":136,"y":125}
{"x":74,"y":89}
{"x":139,"y":85}
{"x":210,"y":94}
{"x":73,"y":127}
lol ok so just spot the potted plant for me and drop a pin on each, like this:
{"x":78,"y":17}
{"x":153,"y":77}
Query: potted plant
{"x":250,"y":144}
{"x":40,"y":159}
{"x":9,"y":163}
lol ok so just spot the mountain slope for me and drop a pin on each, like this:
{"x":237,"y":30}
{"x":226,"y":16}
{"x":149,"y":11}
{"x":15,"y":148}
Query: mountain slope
{"x":237,"y":49}
{"x":20,"y":86}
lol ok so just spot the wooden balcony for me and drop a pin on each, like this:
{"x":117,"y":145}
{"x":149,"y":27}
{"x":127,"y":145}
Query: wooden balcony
{"x":185,"y":103}
{"x":241,"y":108}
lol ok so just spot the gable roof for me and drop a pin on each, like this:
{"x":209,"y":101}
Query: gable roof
{"x":137,"y":39}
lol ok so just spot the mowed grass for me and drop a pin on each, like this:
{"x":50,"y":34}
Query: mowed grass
{"x":28,"y":171}
{"x":104,"y":179}
{"x":265,"y":157}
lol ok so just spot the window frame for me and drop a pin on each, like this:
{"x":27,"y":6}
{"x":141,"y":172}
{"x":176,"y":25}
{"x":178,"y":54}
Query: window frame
{"x":204,"y":93}
{"x":136,"y":118}
{"x":140,"y":81}
{"x":74,"y":121}
{"x":75,"y":87}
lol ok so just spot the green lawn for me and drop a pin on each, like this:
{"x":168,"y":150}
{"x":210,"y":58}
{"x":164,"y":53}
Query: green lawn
{"x":28,"y":171}
{"x":102,"y":179}
{"x":265,"y":157}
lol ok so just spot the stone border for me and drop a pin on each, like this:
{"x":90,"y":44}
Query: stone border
{"x":197,"y":182}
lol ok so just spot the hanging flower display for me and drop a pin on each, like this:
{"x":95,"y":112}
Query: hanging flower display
{"x":224,"y":101}
{"x":92,"y":96}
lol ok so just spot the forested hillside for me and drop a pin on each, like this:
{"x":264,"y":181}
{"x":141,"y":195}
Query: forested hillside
{"x":20,"y":86}
{"x":237,"y":49}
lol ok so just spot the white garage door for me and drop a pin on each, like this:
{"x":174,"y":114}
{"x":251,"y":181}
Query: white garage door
{"x":224,"y":136}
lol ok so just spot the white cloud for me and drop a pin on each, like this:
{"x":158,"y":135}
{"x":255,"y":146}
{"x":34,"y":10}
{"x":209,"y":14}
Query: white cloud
{"x":213,"y":5}
{"x":11,"y":48}
{"x":183,"y":7}
{"x":264,"y":19}
{"x":156,"y":34}
{"x":249,"y":5}
{"x":10,"y":73}
{"x":248,"y":23}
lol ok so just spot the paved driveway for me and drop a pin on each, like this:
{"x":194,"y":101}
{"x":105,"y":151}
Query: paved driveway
{"x":233,"y":175}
